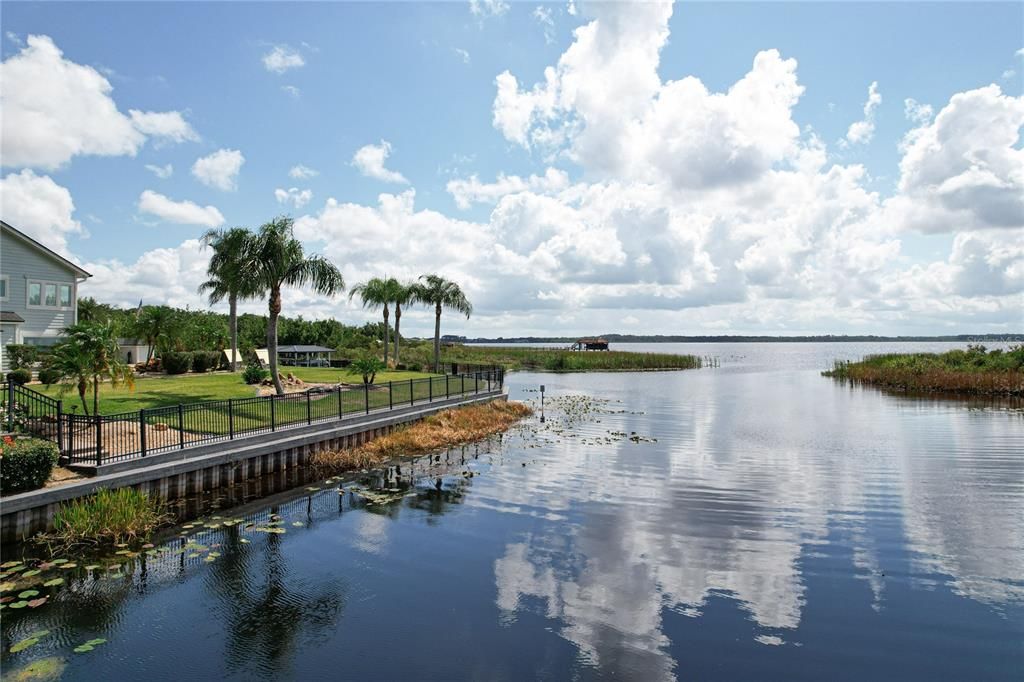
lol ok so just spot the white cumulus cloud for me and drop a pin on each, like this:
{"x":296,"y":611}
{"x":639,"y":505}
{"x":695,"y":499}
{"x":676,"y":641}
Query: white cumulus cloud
{"x":219,"y":169}
{"x":301,"y":172}
{"x":40,"y":208}
{"x":182,"y":212}
{"x":294,"y":196}
{"x":283,"y":58}
{"x":162,"y":172}
{"x":369,"y":160}
{"x":55,"y":109}
{"x":861,"y":132}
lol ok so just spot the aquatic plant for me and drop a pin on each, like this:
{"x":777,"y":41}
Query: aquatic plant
{"x":975,"y":370}
{"x":562,"y":360}
{"x":107,"y":517}
{"x":450,"y":427}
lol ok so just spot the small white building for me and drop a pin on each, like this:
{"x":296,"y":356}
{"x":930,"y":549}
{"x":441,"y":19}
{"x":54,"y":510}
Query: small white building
{"x":133,"y":350}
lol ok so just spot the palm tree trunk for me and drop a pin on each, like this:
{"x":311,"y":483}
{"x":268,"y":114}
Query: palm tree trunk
{"x":387,"y":341}
{"x":233,"y":328}
{"x":437,"y":338}
{"x":82,"y":388}
{"x":398,"y":322}
{"x":275,"y":310}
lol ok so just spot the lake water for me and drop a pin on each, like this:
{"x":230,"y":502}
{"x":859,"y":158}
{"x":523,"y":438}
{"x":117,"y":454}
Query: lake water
{"x":752,"y":521}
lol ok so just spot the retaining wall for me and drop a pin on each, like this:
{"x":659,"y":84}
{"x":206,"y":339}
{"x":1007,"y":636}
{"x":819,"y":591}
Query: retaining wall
{"x":179,"y":474}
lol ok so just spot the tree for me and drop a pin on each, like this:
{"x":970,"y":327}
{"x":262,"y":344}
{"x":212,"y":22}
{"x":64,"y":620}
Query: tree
{"x":379,"y":292}
{"x":153,"y":324}
{"x":229,"y":275}
{"x":403,"y":296}
{"x":441,"y":293}
{"x":276,"y":259}
{"x":89,"y":355}
{"x":367,"y":366}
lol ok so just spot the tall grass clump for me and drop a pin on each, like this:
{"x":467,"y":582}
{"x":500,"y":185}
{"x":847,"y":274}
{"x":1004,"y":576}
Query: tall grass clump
{"x":562,"y":360}
{"x":974,"y":370}
{"x":441,"y":430}
{"x":106,"y":517}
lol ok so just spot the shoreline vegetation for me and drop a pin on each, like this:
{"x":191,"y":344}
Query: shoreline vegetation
{"x":444,"y":429}
{"x":819,"y":338}
{"x":558,"y":360}
{"x":974,"y":371}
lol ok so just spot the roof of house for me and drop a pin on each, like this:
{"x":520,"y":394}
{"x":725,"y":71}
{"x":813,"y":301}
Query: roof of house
{"x":10,"y":316}
{"x":304,"y":349}
{"x":49,"y":252}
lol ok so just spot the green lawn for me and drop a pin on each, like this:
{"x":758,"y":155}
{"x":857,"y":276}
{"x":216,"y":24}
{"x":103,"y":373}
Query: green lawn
{"x":162,"y":390}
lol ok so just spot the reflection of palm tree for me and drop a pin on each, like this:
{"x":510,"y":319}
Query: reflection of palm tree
{"x":265,"y":607}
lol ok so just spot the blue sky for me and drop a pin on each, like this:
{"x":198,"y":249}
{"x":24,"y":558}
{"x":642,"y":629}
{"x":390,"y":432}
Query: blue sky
{"x":422,"y":77}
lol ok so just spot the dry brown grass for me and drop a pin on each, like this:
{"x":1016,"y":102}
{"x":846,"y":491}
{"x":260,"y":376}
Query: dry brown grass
{"x":444,"y":429}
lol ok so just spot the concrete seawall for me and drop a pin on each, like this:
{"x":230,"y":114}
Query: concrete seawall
{"x":178,"y":474}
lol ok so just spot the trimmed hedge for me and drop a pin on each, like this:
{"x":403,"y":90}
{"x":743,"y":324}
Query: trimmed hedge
{"x":25,"y":463}
{"x":19,"y":376}
{"x":203,"y":360}
{"x":176,"y":363}
{"x":21,"y":355}
{"x":49,"y":376}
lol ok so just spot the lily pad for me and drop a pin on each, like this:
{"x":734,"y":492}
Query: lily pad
{"x":67,"y":566}
{"x":15,"y":569}
{"x":84,"y":648}
{"x":7,"y":587}
{"x":210,"y":559}
{"x":42,"y":670}
{"x":54,"y":582}
{"x":24,"y":644}
{"x":28,"y":593}
{"x":96,"y":642}
{"x":36,"y":603}
{"x":298,"y":524}
{"x":9,"y":564}
{"x":33,"y":572}
{"x":19,"y":604}
{"x":92,"y":567}
{"x":245,"y":541}
{"x":59,"y":561}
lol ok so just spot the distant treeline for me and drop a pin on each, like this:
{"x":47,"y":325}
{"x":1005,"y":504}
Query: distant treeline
{"x":827,"y":338}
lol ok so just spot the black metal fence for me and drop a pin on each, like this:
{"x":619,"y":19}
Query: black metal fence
{"x":102,"y":439}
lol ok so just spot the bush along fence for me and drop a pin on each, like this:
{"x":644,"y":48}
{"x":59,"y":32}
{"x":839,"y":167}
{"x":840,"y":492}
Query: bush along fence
{"x":102,"y":439}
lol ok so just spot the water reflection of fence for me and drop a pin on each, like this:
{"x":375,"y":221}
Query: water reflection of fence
{"x":101,"y":439}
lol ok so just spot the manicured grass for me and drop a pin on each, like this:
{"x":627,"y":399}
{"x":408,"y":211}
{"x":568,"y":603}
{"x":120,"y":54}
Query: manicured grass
{"x":557,"y":360}
{"x":163,"y":390}
{"x":971,"y":371}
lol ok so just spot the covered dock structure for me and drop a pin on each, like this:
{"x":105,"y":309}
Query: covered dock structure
{"x":590,"y":343}
{"x":305,"y":356}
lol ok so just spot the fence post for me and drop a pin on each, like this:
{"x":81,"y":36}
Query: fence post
{"x":412,"y":393}
{"x":231,"y":420}
{"x":430,"y":390}
{"x":181,"y":426}
{"x":142,"y":431}
{"x":60,"y":427}
{"x":447,"y":393}
{"x":391,"y":398}
{"x":10,"y":405}
{"x":99,"y":439}
{"x":273,"y":418}
{"x":366,"y":396}
{"x":463,"y":377}
{"x":309,"y":409}
{"x":476,"y":382}
{"x":341,"y":407}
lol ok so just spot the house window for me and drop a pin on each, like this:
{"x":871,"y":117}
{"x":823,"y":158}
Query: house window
{"x":3,"y":287}
{"x":50,"y":295}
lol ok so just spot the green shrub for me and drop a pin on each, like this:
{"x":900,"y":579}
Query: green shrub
{"x":21,"y":355}
{"x":254,"y":374}
{"x":367,"y":366}
{"x":176,"y":363}
{"x":49,"y":376}
{"x":19,"y":376}
{"x":204,"y":360}
{"x":25,"y":463}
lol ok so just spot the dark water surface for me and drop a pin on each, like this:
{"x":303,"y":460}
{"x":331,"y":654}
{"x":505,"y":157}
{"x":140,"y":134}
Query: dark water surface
{"x":755,"y":521}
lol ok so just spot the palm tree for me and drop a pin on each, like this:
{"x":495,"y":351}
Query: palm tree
{"x":441,"y":293}
{"x":230,"y":276}
{"x":378,"y":292}
{"x":276,"y":259}
{"x":152,"y":324}
{"x":403,"y":296}
{"x":89,"y":354}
